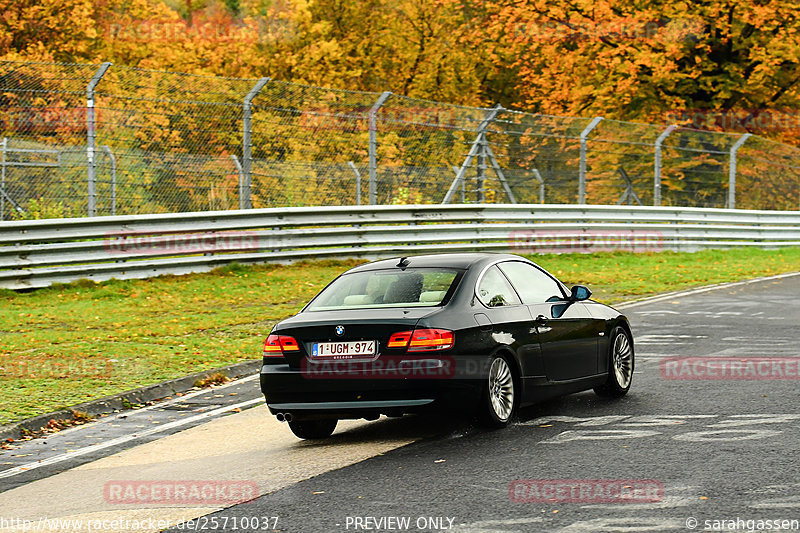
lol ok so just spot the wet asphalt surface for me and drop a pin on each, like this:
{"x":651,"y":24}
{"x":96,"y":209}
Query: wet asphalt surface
{"x":718,"y":454}
{"x":712,"y":451}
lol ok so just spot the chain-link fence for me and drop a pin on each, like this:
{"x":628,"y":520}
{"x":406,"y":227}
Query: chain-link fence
{"x":83,"y":140}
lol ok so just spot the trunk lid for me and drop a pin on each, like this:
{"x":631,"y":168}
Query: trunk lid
{"x":359,"y":325}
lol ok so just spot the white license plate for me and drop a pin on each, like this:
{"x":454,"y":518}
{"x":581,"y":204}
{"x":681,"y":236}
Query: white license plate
{"x":343,"y":349}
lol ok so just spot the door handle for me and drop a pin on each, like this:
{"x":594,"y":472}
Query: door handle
{"x":541,"y":324}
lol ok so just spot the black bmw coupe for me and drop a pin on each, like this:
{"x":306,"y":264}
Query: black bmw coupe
{"x":486,"y":333}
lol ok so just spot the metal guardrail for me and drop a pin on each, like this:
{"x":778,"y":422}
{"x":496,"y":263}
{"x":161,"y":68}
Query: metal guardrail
{"x":41,"y":252}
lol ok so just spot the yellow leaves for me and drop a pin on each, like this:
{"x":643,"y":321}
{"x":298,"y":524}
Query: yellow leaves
{"x":45,"y":29}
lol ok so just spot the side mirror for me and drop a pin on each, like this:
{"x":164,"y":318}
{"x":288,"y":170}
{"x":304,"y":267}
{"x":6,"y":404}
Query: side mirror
{"x":580,"y":293}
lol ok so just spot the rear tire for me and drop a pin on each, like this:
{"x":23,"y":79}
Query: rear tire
{"x":313,"y":429}
{"x":499,"y":397}
{"x":620,"y":365}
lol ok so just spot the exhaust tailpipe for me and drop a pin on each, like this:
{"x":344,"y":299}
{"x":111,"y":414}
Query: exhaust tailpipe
{"x":280,"y":417}
{"x":287,"y":417}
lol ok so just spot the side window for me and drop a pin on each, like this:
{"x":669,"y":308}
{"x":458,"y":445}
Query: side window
{"x":495,"y":291}
{"x":533,"y":285}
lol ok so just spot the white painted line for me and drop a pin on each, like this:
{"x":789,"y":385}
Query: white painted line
{"x":690,"y":292}
{"x":122,"y":440}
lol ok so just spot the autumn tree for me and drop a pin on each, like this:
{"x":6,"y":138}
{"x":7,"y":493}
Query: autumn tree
{"x":638,"y":60}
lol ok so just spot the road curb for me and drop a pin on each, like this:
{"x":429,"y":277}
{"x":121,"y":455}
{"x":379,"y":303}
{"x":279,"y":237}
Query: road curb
{"x":118,"y":402}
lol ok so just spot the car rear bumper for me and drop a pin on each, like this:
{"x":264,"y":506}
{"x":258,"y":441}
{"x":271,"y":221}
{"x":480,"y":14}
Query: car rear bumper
{"x":353,"y":396}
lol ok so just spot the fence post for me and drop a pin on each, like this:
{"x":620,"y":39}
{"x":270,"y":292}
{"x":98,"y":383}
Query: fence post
{"x":3,"y":184}
{"x":358,"y":181}
{"x":373,"y":147}
{"x":541,"y":184}
{"x":476,"y":148}
{"x":657,"y":169}
{"x":582,"y":168}
{"x":113,"y":160}
{"x":732,"y":170}
{"x":240,"y":172}
{"x":245,"y":199}
{"x":482,"y":154}
{"x":480,"y":166}
{"x":499,"y":171}
{"x":90,"y":138}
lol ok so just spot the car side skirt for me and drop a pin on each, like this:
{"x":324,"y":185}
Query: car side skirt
{"x":539,"y":389}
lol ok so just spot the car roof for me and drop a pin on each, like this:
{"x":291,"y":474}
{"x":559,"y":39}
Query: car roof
{"x":460,"y":261}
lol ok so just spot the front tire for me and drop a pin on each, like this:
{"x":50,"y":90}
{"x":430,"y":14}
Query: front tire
{"x":499,"y":401}
{"x":313,"y":429}
{"x":620,"y":371}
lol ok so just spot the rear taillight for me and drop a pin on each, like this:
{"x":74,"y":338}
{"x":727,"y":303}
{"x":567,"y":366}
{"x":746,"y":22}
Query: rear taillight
{"x":399,"y":340}
{"x":430,"y":339}
{"x":280,"y":345}
{"x":422,"y":340}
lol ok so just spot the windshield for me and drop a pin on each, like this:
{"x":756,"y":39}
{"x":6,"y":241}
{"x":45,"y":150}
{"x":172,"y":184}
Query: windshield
{"x":420,"y":287}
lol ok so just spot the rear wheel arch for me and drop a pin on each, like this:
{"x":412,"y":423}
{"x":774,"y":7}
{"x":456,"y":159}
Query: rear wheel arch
{"x":511,"y":357}
{"x":516,"y":370}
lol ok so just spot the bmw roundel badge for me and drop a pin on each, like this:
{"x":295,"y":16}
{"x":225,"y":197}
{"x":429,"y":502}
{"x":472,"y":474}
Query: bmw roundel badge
{"x":340,"y":330}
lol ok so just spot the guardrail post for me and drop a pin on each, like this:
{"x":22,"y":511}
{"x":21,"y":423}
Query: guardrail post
{"x":245,"y":174}
{"x":373,"y":147}
{"x":657,"y":169}
{"x":113,"y":161}
{"x":732,"y":170}
{"x":582,"y":166}
{"x":90,"y":138}
{"x":3,"y":184}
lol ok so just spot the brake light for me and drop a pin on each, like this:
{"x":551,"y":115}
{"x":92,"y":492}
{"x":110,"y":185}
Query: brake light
{"x":399,"y":340}
{"x":422,"y":340}
{"x":279,"y":345}
{"x":431,"y":339}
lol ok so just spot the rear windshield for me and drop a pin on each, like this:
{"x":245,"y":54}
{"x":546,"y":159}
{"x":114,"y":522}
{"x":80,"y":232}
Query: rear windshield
{"x":420,"y":287}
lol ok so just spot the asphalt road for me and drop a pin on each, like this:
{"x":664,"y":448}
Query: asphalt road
{"x":716,"y":450}
{"x":701,"y":450}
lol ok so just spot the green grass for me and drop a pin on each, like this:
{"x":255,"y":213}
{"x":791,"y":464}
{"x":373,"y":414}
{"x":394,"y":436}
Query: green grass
{"x":71,"y":343}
